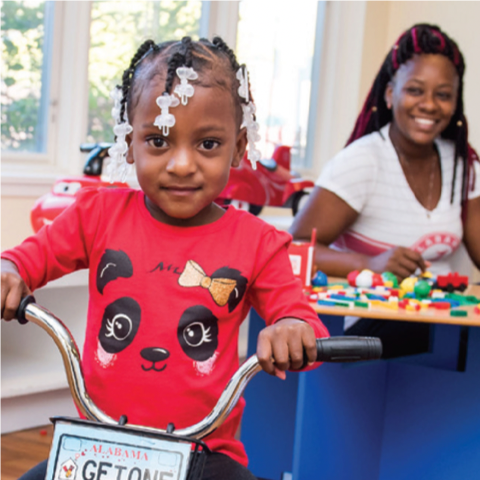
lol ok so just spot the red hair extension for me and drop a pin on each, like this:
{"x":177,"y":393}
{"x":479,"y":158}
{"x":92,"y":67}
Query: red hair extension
{"x":363,"y":118}
{"x":394,"y":52}
{"x":394,"y":57}
{"x":440,"y":37}
{"x":416,"y":48}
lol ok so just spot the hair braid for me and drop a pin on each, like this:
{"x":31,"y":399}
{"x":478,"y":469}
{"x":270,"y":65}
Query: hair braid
{"x":220,"y":45}
{"x":176,"y":60}
{"x":202,"y":55}
{"x":421,"y":39}
{"x":187,"y":43}
{"x":128,"y":73}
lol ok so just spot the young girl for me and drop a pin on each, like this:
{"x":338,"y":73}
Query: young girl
{"x":172,"y":275}
{"x":402,"y":194}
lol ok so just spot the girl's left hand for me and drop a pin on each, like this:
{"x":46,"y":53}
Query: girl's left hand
{"x":281,"y":346}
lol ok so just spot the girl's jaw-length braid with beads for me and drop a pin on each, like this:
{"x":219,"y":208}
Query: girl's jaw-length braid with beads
{"x":421,"y":39}
{"x":181,"y":61}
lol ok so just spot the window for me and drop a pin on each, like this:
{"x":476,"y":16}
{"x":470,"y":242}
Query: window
{"x":127,"y":25}
{"x":26,"y":55}
{"x":277,"y":41}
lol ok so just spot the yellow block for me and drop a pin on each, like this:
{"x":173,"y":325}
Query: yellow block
{"x":408,"y":284}
{"x":385,"y":305}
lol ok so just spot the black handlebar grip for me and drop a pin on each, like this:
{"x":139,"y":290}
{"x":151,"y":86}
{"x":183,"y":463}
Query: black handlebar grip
{"x":348,"y":349}
{"x":21,"y":308}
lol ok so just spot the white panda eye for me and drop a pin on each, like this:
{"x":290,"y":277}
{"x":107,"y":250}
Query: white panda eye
{"x":67,"y":188}
{"x":196,"y":334}
{"x":119,"y":327}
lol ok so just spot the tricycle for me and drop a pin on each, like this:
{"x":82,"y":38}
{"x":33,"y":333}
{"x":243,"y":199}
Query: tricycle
{"x":102,"y":447}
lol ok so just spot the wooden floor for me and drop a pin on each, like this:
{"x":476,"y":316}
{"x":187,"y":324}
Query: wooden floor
{"x":23,"y":450}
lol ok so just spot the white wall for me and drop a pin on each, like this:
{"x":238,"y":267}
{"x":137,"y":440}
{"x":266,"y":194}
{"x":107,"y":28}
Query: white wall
{"x":358,"y":35}
{"x":385,"y":21}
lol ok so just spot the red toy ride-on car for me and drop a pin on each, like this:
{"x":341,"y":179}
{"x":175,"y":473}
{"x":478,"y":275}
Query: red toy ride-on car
{"x":65,"y":190}
{"x":271,"y":184}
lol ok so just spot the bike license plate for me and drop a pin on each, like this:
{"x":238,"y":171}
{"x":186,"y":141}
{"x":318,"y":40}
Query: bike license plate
{"x":87,"y":451}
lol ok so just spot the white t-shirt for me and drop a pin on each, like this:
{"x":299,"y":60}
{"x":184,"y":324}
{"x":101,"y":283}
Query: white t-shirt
{"x":368,"y":176}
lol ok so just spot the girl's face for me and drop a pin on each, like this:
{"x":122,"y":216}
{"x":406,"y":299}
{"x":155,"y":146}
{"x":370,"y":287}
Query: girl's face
{"x":423,"y":97}
{"x":184,"y":172}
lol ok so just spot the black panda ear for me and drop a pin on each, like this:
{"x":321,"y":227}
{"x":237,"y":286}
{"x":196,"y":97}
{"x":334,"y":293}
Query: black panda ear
{"x":113,"y":264}
{"x":239,"y":291}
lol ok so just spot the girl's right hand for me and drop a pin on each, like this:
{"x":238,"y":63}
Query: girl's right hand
{"x":13,"y":289}
{"x":400,"y":261}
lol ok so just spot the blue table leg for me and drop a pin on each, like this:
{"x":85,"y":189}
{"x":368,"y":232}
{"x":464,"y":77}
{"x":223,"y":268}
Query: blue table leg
{"x":268,"y":423}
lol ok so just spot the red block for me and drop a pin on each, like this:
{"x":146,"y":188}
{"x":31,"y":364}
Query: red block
{"x":440,"y":305}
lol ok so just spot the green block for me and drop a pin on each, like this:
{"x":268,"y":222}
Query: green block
{"x":458,"y":313}
{"x":463,"y":299}
{"x":361,"y":304}
{"x":422,"y":289}
{"x":342,"y":304}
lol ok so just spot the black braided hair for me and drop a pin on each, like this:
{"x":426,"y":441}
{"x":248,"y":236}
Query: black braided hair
{"x":421,"y":38}
{"x":128,"y":73}
{"x":203,"y":55}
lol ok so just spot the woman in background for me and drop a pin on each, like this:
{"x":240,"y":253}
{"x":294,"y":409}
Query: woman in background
{"x":401,"y":196}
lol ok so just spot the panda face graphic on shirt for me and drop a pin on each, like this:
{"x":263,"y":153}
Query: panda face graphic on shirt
{"x":197,"y":330}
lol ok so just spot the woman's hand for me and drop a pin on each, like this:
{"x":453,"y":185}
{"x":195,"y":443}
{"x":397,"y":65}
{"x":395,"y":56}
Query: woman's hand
{"x":13,"y":289}
{"x":281,"y":346}
{"x":400,"y":261}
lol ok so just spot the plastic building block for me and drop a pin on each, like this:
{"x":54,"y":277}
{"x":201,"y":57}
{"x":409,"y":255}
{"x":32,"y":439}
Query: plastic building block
{"x":386,"y":305}
{"x":440,"y":305}
{"x":408,"y":284}
{"x":319,"y":279}
{"x":352,"y":277}
{"x":390,"y":277}
{"x":422,"y":289}
{"x":452,"y":281}
{"x":458,"y":313}
{"x":342,"y":298}
{"x":361,"y":304}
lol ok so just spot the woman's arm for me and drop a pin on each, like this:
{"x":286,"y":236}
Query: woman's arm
{"x":331,"y":216}
{"x":471,"y":233}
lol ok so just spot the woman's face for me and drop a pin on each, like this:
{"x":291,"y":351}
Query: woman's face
{"x":423,"y":97}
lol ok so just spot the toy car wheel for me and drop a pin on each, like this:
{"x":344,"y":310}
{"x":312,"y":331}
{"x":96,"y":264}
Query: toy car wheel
{"x":299,"y":200}
{"x":241,"y":205}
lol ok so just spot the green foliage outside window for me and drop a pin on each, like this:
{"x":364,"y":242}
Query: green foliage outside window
{"x":117,"y":30}
{"x":22,"y":25}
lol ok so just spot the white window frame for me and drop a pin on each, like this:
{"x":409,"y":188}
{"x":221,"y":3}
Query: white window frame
{"x":334,"y":103}
{"x":28,"y":174}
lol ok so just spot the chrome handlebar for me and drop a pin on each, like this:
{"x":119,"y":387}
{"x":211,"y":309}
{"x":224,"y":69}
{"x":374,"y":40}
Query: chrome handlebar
{"x":335,"y":349}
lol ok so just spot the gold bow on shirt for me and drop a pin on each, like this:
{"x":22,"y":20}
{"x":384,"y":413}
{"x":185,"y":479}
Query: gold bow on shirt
{"x":220,"y":288}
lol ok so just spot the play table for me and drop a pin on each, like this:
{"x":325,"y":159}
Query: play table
{"x":412,"y":418}
{"x":428,"y":315}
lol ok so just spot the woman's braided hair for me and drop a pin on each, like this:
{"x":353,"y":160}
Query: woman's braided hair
{"x":426,"y":39}
{"x":165,"y":58}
